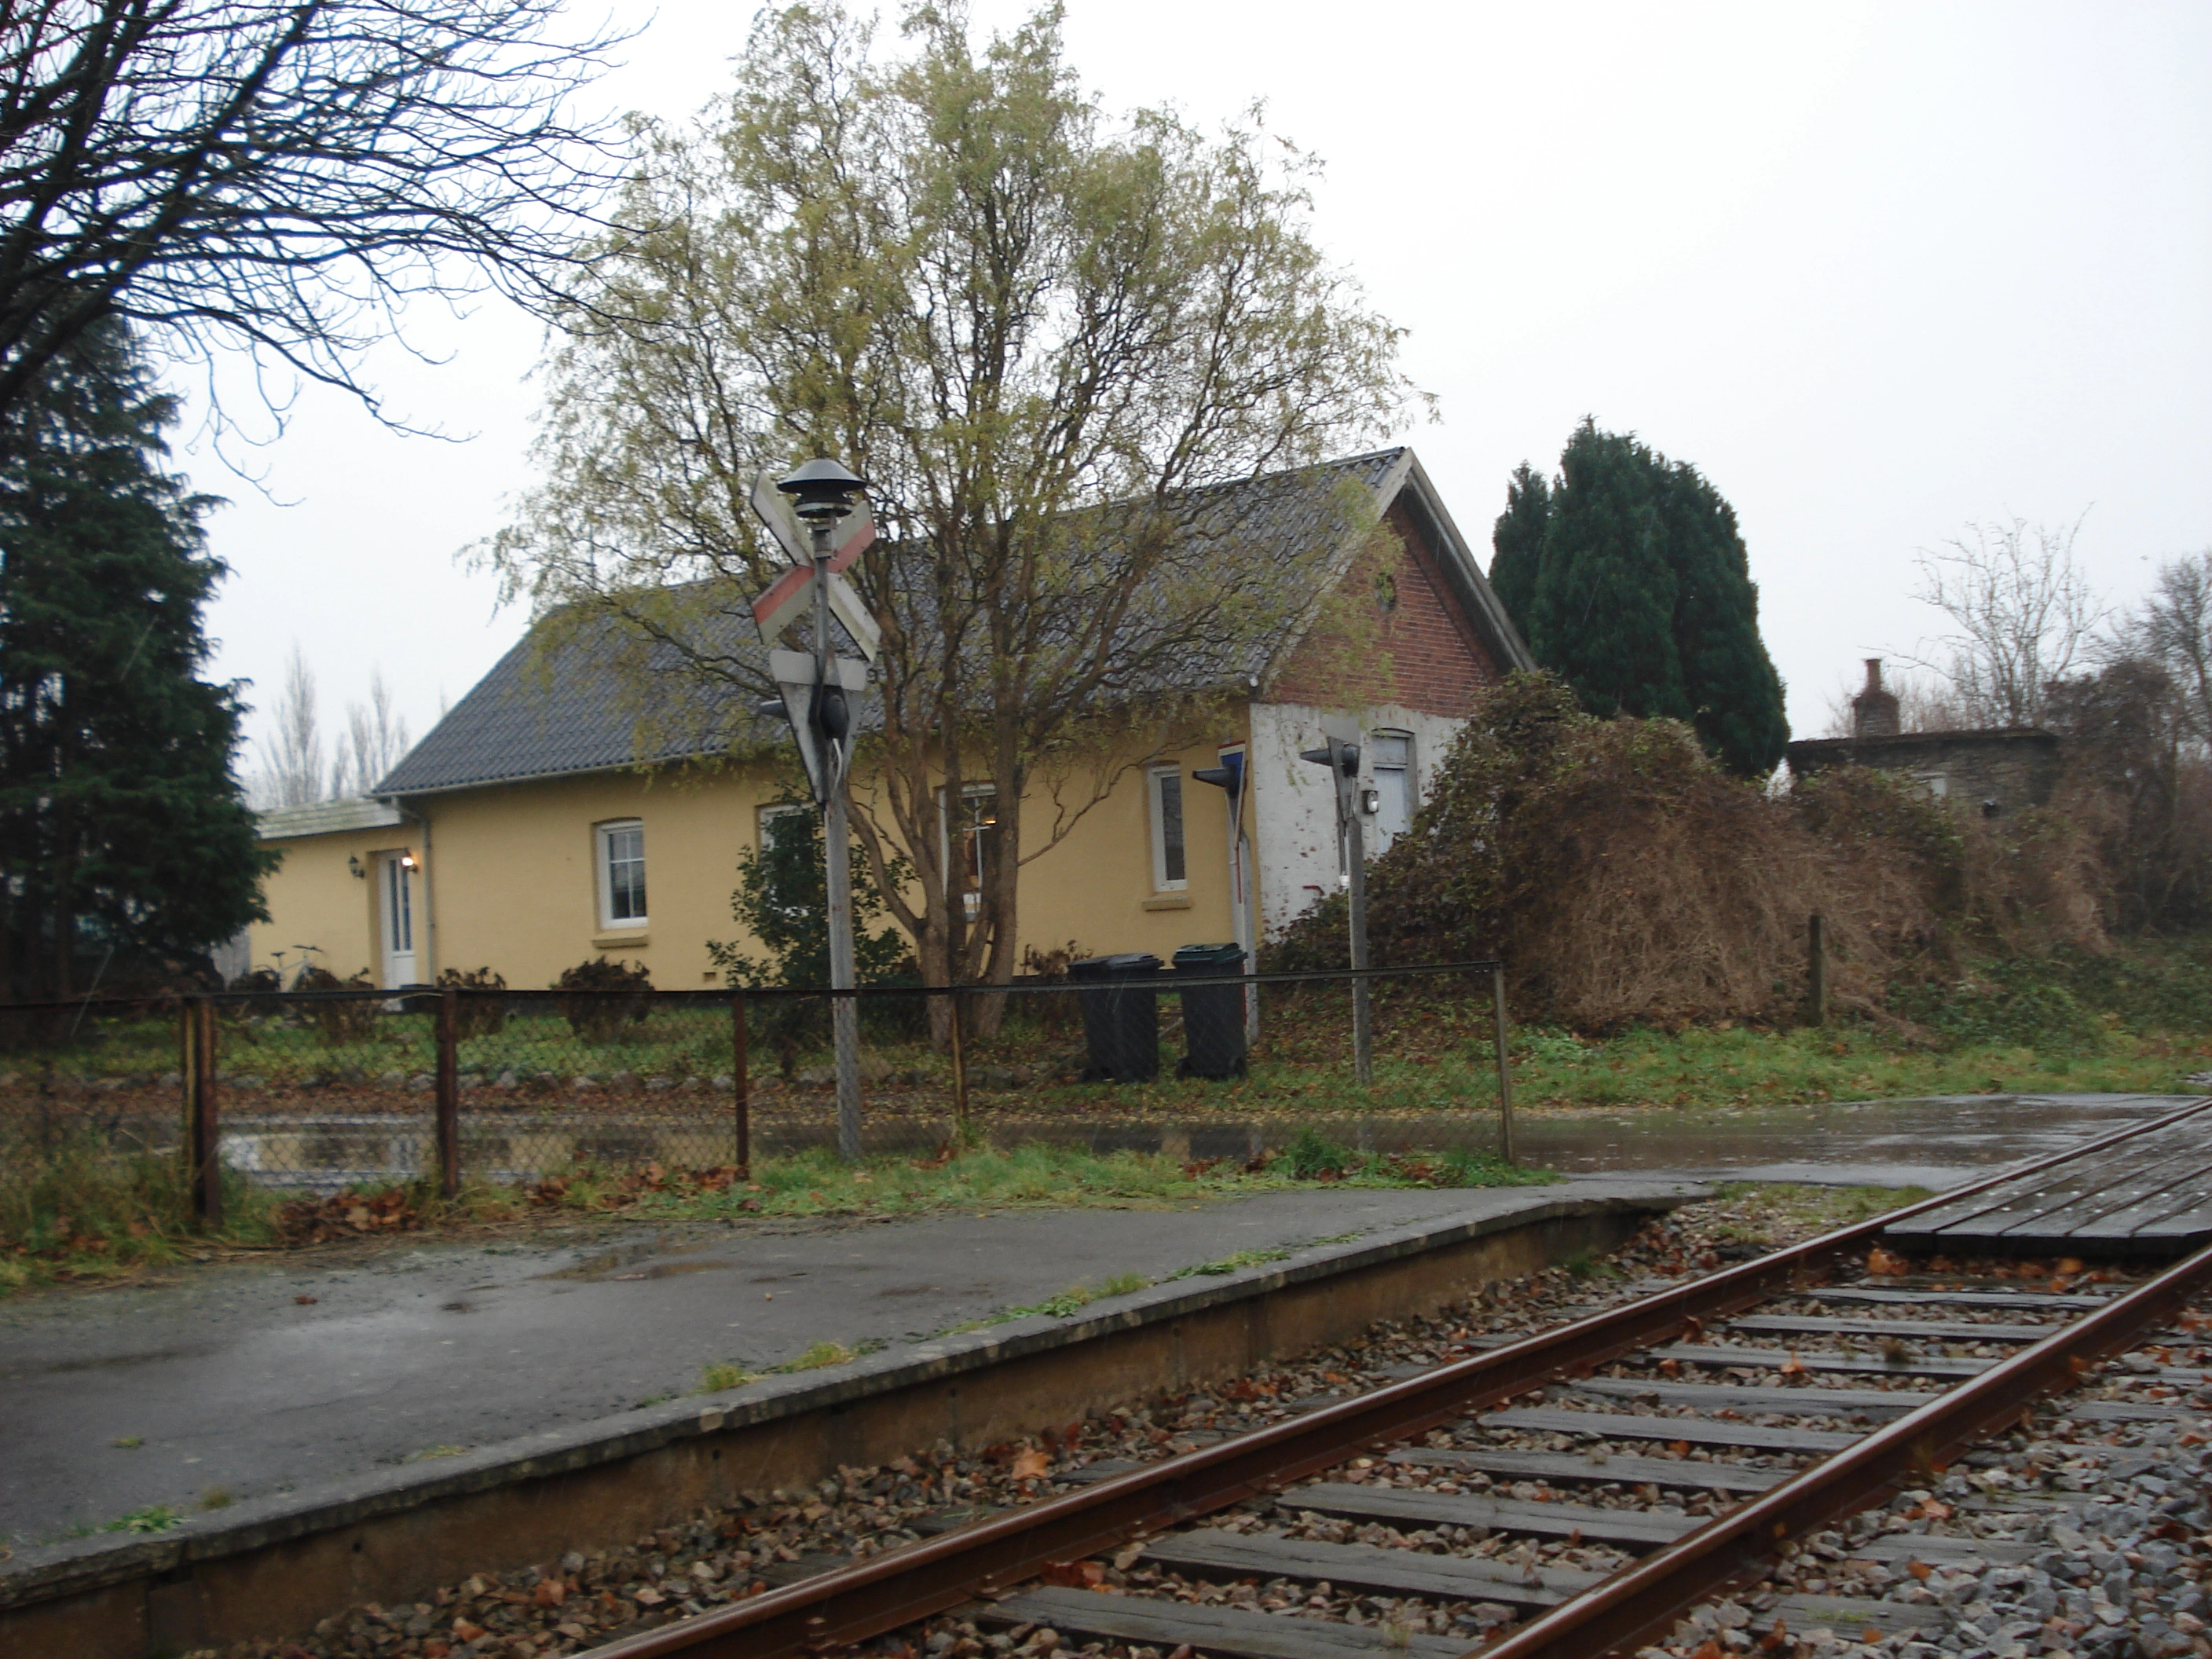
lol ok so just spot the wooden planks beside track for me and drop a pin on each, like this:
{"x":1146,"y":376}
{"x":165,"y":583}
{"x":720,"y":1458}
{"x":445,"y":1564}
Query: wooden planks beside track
{"x":2150,"y":1195}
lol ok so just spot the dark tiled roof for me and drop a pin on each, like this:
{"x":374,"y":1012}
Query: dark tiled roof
{"x":556,"y":706}
{"x":553,"y":706}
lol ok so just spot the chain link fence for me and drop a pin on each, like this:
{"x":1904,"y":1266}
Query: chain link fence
{"x":312,"y":1093}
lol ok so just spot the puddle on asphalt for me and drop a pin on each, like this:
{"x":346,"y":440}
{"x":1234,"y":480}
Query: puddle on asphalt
{"x":637,"y":1261}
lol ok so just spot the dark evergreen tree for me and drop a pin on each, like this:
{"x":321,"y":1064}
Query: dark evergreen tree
{"x":1602,"y":617}
{"x":1726,"y":673}
{"x":1517,"y":542}
{"x":125,"y":844}
{"x":1642,"y":597}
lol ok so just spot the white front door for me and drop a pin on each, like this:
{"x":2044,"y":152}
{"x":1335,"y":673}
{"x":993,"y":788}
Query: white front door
{"x":395,"y":893}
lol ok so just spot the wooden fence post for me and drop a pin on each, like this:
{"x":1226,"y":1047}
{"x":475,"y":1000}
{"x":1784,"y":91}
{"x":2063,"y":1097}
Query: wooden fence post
{"x":741,"y":1086}
{"x":202,"y":1113}
{"x":1816,"y":970}
{"x":448,"y":1134}
{"x":1504,"y":1063}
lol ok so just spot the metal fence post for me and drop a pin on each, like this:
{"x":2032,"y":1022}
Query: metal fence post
{"x":1816,"y":969}
{"x":448,"y":1134}
{"x":741,"y":1087}
{"x":959,"y":1068}
{"x":202,"y":1126}
{"x":1504,"y":1063}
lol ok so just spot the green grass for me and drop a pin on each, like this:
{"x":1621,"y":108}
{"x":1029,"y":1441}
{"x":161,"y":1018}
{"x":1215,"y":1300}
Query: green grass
{"x":1229,"y":1264}
{"x":714,"y":1379}
{"x":155,"y":1517}
{"x":815,"y":1183}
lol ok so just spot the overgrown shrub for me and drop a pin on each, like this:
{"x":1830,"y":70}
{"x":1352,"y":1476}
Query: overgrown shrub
{"x":340,"y":1022}
{"x":1624,"y":875}
{"x":599,"y":1015}
{"x":478,"y":1016}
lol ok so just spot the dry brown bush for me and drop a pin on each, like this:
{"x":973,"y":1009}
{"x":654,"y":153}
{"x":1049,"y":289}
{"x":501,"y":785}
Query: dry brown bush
{"x":1624,"y":876}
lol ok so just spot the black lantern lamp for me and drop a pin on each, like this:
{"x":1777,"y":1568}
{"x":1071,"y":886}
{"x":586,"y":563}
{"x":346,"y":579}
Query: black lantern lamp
{"x":822,"y":489}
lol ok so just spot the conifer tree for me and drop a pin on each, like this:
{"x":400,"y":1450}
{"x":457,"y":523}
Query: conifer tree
{"x":1518,"y":542}
{"x":1602,"y":616}
{"x":1728,"y":677}
{"x":1629,"y":578}
{"x":123,"y":839}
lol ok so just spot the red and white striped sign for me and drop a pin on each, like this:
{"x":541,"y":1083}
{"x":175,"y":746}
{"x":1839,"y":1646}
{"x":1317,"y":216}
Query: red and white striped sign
{"x":786,"y":602}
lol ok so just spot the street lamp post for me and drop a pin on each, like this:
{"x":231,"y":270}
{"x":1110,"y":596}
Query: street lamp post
{"x":822,"y":492}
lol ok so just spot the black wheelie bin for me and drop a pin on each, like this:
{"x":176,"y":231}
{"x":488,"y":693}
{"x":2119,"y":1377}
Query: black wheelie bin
{"x":1212,"y":1015}
{"x":1121,"y":1001}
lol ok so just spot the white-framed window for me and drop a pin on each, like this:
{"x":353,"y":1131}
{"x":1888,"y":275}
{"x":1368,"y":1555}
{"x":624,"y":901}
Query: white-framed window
{"x":621,"y":872}
{"x":1393,"y":768}
{"x":1171,"y":869}
{"x":975,"y":828}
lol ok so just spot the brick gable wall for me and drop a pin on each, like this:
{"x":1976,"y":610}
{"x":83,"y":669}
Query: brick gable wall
{"x":1426,"y":656}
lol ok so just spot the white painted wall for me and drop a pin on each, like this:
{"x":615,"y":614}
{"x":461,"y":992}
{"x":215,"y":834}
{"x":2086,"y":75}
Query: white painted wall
{"x":1294,"y":818}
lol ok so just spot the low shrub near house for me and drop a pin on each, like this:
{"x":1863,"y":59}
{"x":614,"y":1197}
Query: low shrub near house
{"x":599,"y":1015}
{"x":480,"y":1015}
{"x":340,"y":1022}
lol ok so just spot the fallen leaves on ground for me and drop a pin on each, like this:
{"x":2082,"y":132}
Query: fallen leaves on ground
{"x":345,"y":1215}
{"x":622,"y":1191}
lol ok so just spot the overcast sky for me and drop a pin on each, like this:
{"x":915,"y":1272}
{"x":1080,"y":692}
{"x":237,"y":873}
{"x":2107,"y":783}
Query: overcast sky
{"x":1878,"y":270}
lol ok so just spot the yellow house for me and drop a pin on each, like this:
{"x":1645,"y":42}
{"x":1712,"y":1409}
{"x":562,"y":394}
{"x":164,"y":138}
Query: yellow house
{"x":526,"y":832}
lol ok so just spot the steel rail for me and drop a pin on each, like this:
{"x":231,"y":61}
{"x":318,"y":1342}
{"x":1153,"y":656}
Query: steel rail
{"x":917,"y":1580}
{"x":1640,"y":1604}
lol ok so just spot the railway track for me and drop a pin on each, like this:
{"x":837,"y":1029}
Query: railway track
{"x":1569,"y":1494}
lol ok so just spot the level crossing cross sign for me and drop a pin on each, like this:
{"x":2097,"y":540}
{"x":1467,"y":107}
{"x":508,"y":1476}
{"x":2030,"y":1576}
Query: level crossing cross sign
{"x":819,"y":687}
{"x":788,"y":599}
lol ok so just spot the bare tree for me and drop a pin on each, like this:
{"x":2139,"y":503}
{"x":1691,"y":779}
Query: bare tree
{"x":372,"y":743}
{"x":2022,"y":616}
{"x":281,"y":175}
{"x":2174,"y":628}
{"x":291,"y":771}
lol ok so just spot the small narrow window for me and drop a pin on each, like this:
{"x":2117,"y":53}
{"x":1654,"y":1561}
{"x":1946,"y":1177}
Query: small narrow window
{"x":1168,"y":865}
{"x":622,"y":874}
{"x":1394,"y":785}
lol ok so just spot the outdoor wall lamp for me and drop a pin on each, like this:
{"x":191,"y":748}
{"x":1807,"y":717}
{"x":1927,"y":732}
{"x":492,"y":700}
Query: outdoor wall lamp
{"x":1371,"y":801}
{"x":353,"y":863}
{"x":407,"y":861}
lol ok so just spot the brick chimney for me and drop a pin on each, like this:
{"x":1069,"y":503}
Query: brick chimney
{"x":1873,"y":711}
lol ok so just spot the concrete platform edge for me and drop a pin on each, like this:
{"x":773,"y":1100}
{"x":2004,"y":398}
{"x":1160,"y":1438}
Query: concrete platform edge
{"x":87,"y":1567}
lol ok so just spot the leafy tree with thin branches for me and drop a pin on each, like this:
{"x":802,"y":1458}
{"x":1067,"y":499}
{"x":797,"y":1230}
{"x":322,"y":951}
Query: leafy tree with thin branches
{"x":1041,"y":335}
